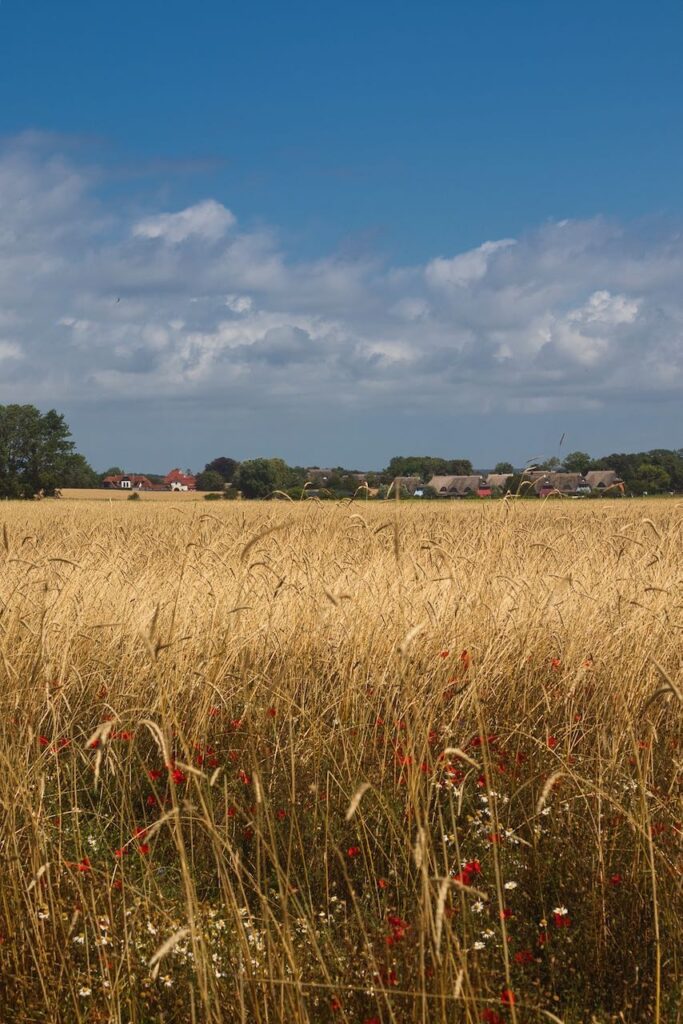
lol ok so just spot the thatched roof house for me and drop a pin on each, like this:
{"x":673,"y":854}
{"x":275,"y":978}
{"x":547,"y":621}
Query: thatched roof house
{"x":455,"y":486}
{"x":498,"y":480}
{"x":404,"y":484}
{"x":601,"y":479}
{"x":565,"y":483}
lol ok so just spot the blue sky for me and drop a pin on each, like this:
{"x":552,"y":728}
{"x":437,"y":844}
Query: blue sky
{"x":438,"y":227}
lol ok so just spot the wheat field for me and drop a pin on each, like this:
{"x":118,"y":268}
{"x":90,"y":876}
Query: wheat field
{"x":356,"y":762}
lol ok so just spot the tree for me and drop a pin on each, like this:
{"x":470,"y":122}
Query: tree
{"x":210,"y":480}
{"x":257,"y":478}
{"x":577,"y":462}
{"x":78,"y":473}
{"x":226,"y":467}
{"x":425,"y":466}
{"x":36,"y":452}
{"x":651,"y":478}
{"x":504,"y":467}
{"x":112,"y":471}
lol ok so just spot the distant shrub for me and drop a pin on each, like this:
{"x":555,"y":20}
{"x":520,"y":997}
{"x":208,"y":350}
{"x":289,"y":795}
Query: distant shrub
{"x":134,"y":496}
{"x":213,"y":497}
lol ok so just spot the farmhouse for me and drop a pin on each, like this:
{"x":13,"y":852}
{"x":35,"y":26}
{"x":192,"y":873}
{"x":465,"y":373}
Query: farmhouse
{"x":405,"y":485}
{"x":498,"y":481}
{"x":602,"y":479}
{"x":128,"y":482}
{"x":459,"y":486}
{"x":176,"y":480}
{"x":566,"y":483}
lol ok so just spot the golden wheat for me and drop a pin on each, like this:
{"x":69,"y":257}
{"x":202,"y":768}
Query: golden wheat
{"x":293,"y":762}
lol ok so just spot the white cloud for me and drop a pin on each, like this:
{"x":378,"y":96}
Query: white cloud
{"x":467,"y":268}
{"x":239,"y":303}
{"x":10,"y":350}
{"x":96,"y":303}
{"x":208,"y":220}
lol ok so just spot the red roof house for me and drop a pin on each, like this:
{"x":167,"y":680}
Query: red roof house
{"x":128,"y":482}
{"x":179,"y":481}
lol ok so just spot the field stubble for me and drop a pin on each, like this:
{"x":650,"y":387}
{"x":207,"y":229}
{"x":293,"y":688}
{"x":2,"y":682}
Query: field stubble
{"x":357,"y":762}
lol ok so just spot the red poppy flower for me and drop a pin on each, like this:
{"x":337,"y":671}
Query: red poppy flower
{"x":281,"y":815}
{"x":178,"y":776}
{"x":555,"y":663}
{"x":562,"y":921}
{"x":524,"y":956}
{"x":335,"y":1004}
{"x":271,"y":712}
{"x":154,"y":774}
{"x":490,"y":1016}
{"x":143,"y":849}
{"x":616,"y":880}
{"x":444,"y":654}
{"x":399,"y":927}
{"x":507,"y":997}
{"x":84,"y":865}
{"x":353,"y":851}
{"x":151,"y":800}
{"x":552,"y":742}
{"x":467,"y":873}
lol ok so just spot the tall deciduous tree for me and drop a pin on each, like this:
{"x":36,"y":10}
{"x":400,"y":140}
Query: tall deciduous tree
{"x":210,"y":480}
{"x":577,"y":462}
{"x":36,"y":452}
{"x":226,"y":467}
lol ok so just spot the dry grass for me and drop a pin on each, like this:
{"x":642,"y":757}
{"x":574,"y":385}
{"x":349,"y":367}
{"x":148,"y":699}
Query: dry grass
{"x":287,"y":763}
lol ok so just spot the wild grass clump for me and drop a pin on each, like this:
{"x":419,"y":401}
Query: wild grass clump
{"x":304,"y":762}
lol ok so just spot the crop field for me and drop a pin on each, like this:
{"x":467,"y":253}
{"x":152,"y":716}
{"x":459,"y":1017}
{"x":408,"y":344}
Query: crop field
{"x":104,"y":494}
{"x":362,"y":763}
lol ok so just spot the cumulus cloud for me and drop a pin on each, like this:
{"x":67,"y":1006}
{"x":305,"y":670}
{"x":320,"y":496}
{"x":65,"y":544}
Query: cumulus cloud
{"x":466,"y":268}
{"x":208,"y":220}
{"x":98,"y":302}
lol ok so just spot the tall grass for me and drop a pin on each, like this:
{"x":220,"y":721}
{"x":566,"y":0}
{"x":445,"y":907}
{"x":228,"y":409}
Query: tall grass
{"x":359,"y":763}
